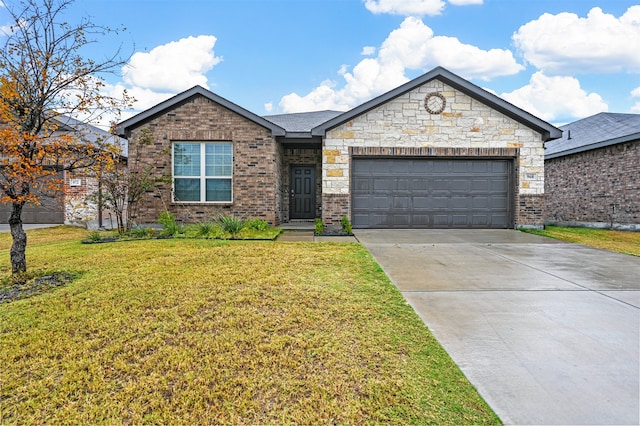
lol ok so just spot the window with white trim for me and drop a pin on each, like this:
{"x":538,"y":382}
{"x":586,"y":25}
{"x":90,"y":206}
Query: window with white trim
{"x":202,"y":172}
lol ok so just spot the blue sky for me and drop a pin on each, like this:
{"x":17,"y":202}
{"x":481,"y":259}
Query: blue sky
{"x":561,"y":60}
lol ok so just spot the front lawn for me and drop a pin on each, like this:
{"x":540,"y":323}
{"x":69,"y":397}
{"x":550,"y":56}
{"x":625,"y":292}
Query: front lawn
{"x":186,"y":331}
{"x":626,"y":242}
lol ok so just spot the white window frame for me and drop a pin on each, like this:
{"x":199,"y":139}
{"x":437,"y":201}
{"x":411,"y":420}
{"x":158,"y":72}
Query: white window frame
{"x":203,"y":177}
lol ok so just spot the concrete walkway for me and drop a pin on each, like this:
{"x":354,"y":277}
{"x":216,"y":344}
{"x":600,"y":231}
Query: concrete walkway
{"x":548,"y":332}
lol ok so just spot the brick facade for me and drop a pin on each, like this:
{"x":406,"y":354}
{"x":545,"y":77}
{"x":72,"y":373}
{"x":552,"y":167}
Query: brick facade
{"x":600,"y":187}
{"x":256,"y":162}
{"x":467,"y":127}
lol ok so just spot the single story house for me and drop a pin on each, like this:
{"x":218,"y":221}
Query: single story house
{"x":436,"y":152}
{"x":76,"y":203}
{"x":593,"y":173}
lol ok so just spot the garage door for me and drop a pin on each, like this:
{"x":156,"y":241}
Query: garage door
{"x":50,"y":210}
{"x":431,"y":193}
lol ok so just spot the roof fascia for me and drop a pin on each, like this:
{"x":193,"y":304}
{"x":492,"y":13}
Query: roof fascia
{"x":123,"y":127}
{"x":602,"y":144}
{"x":548,"y":131}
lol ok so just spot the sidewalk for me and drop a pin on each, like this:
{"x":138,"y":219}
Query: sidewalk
{"x":308,"y":236}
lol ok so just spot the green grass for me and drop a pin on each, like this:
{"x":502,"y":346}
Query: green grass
{"x":187,"y":331}
{"x":626,"y":242}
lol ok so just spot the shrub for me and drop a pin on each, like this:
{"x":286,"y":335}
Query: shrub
{"x":231,"y":224}
{"x":257,"y":224}
{"x":319,"y":226}
{"x":94,"y":236}
{"x":205,"y":229}
{"x":169,"y":225}
{"x":142,"y":232}
{"x":346,"y":225}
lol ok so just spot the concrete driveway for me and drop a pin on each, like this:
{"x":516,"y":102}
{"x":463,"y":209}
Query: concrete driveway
{"x":548,"y":332}
{"x":4,"y":227}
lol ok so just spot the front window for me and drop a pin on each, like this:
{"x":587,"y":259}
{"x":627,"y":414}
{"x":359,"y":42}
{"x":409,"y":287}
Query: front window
{"x":202,"y":171}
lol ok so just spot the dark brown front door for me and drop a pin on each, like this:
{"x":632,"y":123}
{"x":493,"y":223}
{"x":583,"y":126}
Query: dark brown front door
{"x":303,"y":192}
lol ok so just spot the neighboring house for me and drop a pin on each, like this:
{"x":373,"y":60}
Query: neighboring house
{"x":436,"y":152}
{"x":593,"y":173}
{"x":76,"y":204}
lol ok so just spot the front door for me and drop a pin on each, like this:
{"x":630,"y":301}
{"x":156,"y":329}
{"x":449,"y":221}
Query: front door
{"x":303,"y":192}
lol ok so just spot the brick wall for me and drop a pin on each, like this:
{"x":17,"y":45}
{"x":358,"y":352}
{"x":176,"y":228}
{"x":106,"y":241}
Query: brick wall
{"x":600,"y":187}
{"x":466,"y":124}
{"x":255,"y":162}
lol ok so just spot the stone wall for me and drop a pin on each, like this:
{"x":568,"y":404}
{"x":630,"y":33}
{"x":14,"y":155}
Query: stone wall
{"x":599,"y":188}
{"x":256,"y":158}
{"x":465,"y":124}
{"x":81,"y":202}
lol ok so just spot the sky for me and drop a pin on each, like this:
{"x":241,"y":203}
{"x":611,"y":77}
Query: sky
{"x":560,"y":60}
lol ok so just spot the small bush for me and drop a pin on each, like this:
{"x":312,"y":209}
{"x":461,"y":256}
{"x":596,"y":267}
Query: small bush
{"x":319,"y":226}
{"x":205,"y":229}
{"x":170,"y":227}
{"x":94,"y":236}
{"x":257,"y":224}
{"x":231,"y":224}
{"x":139,"y":232}
{"x":346,"y":225}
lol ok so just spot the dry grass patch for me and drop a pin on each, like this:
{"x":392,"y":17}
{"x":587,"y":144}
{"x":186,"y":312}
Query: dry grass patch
{"x":626,"y":242}
{"x":209,"y":332}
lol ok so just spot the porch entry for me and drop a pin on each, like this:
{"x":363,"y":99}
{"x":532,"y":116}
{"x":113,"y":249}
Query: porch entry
{"x":303,"y":192}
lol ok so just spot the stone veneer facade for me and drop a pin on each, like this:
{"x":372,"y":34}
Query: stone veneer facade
{"x":257,"y":161}
{"x":466,"y":128}
{"x":598,"y":188}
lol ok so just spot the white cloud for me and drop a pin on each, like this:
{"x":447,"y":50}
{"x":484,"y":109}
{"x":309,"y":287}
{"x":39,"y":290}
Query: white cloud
{"x":405,"y":7}
{"x":636,"y":94}
{"x":321,"y":98}
{"x":464,"y":2}
{"x":411,"y":46}
{"x":173,"y":67}
{"x":368,"y":50}
{"x":566,"y":44}
{"x":552,"y":98}
{"x":268,"y":107}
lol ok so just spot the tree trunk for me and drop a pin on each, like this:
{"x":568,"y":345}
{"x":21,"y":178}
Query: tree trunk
{"x":19,"y":246}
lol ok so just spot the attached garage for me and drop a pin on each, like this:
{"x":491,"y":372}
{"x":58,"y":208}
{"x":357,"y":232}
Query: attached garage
{"x":51,"y":210}
{"x":35,"y":214}
{"x":432,"y":193}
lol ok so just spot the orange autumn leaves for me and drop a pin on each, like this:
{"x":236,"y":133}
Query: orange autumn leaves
{"x":33,"y":151}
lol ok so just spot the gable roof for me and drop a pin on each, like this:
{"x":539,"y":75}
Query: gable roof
{"x":152,"y":112}
{"x":547,"y":130}
{"x":596,"y":131}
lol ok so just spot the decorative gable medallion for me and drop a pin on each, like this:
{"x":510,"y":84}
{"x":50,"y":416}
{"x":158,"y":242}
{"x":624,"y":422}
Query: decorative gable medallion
{"x":434,"y":103}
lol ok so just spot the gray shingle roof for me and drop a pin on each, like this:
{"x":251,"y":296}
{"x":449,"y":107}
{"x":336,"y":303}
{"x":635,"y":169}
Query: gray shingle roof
{"x":594,"y":132}
{"x":302,"y":121}
{"x":90,"y":133}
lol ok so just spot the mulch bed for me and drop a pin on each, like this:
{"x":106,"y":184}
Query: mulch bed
{"x":35,"y":286}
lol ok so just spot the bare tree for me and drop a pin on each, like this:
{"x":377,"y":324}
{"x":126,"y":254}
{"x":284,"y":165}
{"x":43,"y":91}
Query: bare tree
{"x":124,"y":185}
{"x":45,"y":78}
